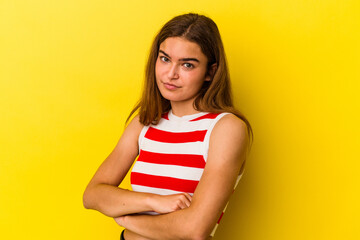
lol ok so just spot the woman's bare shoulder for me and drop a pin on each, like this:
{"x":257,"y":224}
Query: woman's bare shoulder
{"x":231,"y":123}
{"x":230,"y":132}
{"x":134,"y":126}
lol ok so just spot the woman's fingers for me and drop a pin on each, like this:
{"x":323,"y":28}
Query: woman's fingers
{"x":119,"y":220}
{"x":181,"y":204}
{"x":185,"y":200}
{"x":169,"y":203}
{"x":188,"y":196}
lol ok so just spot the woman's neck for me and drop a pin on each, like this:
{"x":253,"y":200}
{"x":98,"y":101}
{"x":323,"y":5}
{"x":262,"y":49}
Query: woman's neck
{"x":180,"y":109}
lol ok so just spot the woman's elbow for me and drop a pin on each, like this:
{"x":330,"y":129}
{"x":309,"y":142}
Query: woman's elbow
{"x":91,"y":200}
{"x":87,"y":199}
{"x":200,"y":235}
{"x":198,"y":231}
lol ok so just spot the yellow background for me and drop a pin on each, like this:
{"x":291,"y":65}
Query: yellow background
{"x":71,"y":70}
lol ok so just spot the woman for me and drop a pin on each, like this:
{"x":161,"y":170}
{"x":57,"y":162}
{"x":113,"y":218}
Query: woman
{"x":186,"y":129}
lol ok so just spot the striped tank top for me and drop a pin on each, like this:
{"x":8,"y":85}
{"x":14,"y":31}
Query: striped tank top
{"x":173,"y":154}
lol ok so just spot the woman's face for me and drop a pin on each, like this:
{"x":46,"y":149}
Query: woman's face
{"x":181,"y":69}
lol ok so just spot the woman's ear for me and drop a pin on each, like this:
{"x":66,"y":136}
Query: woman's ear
{"x":211,"y":72}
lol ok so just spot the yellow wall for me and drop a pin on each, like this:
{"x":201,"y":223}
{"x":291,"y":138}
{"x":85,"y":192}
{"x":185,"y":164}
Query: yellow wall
{"x":70,"y":72}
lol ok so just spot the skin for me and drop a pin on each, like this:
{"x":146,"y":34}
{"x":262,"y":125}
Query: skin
{"x":103,"y":193}
{"x":188,"y":76}
{"x":181,"y":69}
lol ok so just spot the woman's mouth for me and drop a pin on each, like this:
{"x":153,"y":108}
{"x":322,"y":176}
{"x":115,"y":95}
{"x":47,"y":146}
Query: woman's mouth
{"x":170,"y":86}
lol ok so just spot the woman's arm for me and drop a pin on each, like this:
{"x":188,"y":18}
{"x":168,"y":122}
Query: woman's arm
{"x":104,"y":195}
{"x":227,"y":153}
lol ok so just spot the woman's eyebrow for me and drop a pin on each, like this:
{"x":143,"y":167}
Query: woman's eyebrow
{"x":181,"y":59}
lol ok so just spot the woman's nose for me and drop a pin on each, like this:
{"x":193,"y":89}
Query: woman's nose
{"x":173,"y":72}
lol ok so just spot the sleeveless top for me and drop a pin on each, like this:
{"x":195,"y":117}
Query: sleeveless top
{"x":173,"y":154}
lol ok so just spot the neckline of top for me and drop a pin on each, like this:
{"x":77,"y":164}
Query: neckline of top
{"x":172,"y":116}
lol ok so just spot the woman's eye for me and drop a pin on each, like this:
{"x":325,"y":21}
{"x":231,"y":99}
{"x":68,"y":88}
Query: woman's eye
{"x":164,"y":59}
{"x":188,"y":65}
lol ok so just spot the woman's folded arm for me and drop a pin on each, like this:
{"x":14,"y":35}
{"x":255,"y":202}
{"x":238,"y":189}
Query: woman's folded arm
{"x":227,"y":153}
{"x":104,"y":195}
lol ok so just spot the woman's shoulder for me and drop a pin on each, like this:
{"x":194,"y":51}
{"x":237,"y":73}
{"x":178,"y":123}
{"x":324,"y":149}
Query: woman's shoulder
{"x":230,"y":125}
{"x":134,"y":127}
{"x":229,"y":133}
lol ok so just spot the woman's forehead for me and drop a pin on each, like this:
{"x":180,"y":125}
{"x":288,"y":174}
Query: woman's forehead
{"x":178,"y":48}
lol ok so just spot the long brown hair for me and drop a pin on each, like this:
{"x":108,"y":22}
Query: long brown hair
{"x":215,"y":95}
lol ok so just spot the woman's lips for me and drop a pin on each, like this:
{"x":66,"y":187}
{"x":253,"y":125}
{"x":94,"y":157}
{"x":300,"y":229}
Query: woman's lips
{"x":170,"y":86}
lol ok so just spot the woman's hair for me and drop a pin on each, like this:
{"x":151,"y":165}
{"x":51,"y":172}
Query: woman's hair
{"x":214,"y":96}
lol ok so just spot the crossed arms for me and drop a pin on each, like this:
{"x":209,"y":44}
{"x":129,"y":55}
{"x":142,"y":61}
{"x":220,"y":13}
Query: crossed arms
{"x":181,"y":216}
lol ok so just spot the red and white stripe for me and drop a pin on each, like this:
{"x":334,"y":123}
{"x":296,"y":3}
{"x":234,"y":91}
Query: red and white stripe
{"x":173,"y":154}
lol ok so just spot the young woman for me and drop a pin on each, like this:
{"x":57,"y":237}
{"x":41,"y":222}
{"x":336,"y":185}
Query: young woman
{"x":190,"y":141}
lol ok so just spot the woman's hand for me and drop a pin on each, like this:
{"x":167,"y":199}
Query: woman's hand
{"x":119,"y":220}
{"x":164,"y":204}
{"x":161,"y":204}
{"x":170,"y":203}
